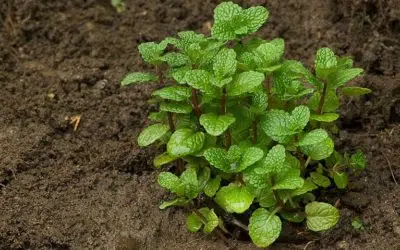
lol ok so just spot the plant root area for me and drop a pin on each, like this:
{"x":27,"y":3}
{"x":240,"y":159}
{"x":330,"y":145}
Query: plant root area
{"x":71,"y":174}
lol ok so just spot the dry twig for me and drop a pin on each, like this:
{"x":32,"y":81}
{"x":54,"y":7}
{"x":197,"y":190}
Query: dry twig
{"x":390,"y":167}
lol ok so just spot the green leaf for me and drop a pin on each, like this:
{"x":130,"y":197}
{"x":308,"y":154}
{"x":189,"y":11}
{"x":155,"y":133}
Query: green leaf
{"x":357,"y":223}
{"x":200,"y":79}
{"x":224,"y":14}
{"x":245,"y":82}
{"x":325,"y":62}
{"x":223,"y":31}
{"x":163,"y":159}
{"x":225,"y":63}
{"x":292,"y":217}
{"x":170,"y":182}
{"x":119,"y":5}
{"x":179,"y":74}
{"x":212,"y":186}
{"x":299,"y":118}
{"x":321,"y":216}
{"x":326,"y":117}
{"x":344,"y":63}
{"x":193,"y":223}
{"x":288,"y":88}
{"x":175,"y":93}
{"x":341,"y":179}
{"x":212,"y":219}
{"x":341,"y":77}
{"x":138,"y":77}
{"x":151,"y":52}
{"x":158,"y":116}
{"x":221,"y":83}
{"x":186,"y":121}
{"x":234,"y":199}
{"x":273,"y":162}
{"x":355,"y":91}
{"x":176,"y":202}
{"x":216,"y":125}
{"x":259,"y":102}
{"x":256,"y":181}
{"x":331,"y":103}
{"x":270,"y":53}
{"x":278,"y":124}
{"x":266,"y":197}
{"x":307,"y":187}
{"x":216,"y":157}
{"x":264,"y":227}
{"x":189,"y":38}
{"x":203,"y":174}
{"x":226,"y":11}
{"x":320,"y":179}
{"x":175,"y":59}
{"x":255,"y":17}
{"x":316,"y":136}
{"x":235,"y":160}
{"x":191,"y":184}
{"x":151,"y":134}
{"x":231,"y":20}
{"x":319,"y":150}
{"x":180,"y":108}
{"x":185,"y":142}
{"x":289,"y":179}
{"x":251,"y":155}
{"x":358,"y":160}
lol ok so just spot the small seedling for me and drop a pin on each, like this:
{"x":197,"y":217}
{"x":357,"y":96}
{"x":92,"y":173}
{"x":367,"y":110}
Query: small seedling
{"x":119,"y":5}
{"x":248,"y":131}
{"x":357,"y":223}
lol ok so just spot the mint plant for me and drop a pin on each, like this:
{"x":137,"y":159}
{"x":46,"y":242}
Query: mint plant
{"x":245,"y":130}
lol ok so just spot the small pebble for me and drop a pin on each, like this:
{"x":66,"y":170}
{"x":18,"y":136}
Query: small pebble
{"x":100,"y":84}
{"x":342,"y":245}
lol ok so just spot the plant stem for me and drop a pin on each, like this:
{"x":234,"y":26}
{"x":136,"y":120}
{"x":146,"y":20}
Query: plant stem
{"x":238,"y":223}
{"x":161,"y":83}
{"x":171,"y":122}
{"x":254,"y":126}
{"x":223,"y":112}
{"x":307,"y":162}
{"x":322,"y":100}
{"x":179,"y":163}
{"x":160,"y":75}
{"x":195,"y":103}
{"x":218,"y":231}
{"x":268,"y":86}
{"x":282,"y":204}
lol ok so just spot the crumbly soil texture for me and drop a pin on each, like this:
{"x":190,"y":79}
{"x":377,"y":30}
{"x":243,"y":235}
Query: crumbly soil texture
{"x":93,"y":187}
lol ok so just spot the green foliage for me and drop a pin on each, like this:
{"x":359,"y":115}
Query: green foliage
{"x":245,"y":128}
{"x":138,"y":77}
{"x":357,"y":223}
{"x":321,"y":216}
{"x":119,"y":5}
{"x":264,"y":227}
{"x":205,"y":217}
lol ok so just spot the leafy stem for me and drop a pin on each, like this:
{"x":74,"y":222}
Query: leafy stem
{"x":195,"y":103}
{"x":223,"y":112}
{"x":162,"y":83}
{"x":218,"y":231}
{"x":245,"y":159}
{"x":254,"y":128}
{"x":320,"y":109}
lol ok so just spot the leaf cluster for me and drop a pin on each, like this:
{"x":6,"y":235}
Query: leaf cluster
{"x":248,"y":130}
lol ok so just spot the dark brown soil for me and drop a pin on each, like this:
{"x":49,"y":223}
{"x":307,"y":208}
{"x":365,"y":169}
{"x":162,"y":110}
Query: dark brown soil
{"x":94,"y":188}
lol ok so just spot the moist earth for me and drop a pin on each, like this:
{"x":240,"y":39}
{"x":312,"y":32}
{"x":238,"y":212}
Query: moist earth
{"x":95,"y":188}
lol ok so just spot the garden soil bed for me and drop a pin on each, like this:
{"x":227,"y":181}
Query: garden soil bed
{"x":94,"y":188}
